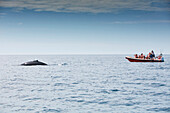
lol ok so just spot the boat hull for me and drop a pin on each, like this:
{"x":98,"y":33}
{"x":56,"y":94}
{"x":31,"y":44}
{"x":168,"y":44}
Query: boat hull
{"x":131,"y":59}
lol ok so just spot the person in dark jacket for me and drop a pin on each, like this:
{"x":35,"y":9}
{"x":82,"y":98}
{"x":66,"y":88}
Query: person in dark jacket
{"x":153,"y":54}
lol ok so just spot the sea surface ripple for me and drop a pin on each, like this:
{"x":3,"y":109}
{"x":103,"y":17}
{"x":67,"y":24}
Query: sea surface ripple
{"x":83,"y":84}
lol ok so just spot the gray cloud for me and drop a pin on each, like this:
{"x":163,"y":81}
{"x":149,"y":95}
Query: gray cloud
{"x":2,"y":13}
{"x":20,"y":23}
{"x":141,"y":22}
{"x":92,"y":6}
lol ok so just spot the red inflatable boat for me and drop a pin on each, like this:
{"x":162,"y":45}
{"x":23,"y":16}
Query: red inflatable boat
{"x":131,"y":59}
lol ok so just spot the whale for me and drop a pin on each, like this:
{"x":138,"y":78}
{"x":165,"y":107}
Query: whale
{"x":33,"y":63}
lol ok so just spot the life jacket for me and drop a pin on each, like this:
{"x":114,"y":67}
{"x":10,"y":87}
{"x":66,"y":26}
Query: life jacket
{"x":159,"y":57}
{"x":149,"y":55}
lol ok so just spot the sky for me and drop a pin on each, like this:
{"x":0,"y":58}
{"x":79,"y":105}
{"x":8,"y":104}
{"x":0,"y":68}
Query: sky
{"x":84,"y":26}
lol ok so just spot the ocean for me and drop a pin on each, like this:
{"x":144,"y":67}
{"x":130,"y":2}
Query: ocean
{"x":83,"y":84}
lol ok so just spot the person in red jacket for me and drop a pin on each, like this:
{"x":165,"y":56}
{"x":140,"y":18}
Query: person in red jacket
{"x":136,"y":55}
{"x":149,"y":55}
{"x":160,"y":56}
{"x":142,"y":56}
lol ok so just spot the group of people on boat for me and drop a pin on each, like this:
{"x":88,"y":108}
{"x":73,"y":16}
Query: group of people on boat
{"x":151,"y":55}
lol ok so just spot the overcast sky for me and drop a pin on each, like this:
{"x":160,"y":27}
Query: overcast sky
{"x":84,"y":26}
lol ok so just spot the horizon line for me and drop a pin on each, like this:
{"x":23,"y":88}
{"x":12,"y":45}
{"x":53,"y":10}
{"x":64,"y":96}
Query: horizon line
{"x":78,"y":54}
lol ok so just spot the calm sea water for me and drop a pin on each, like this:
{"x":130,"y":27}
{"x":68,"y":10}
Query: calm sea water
{"x":84,"y":84}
